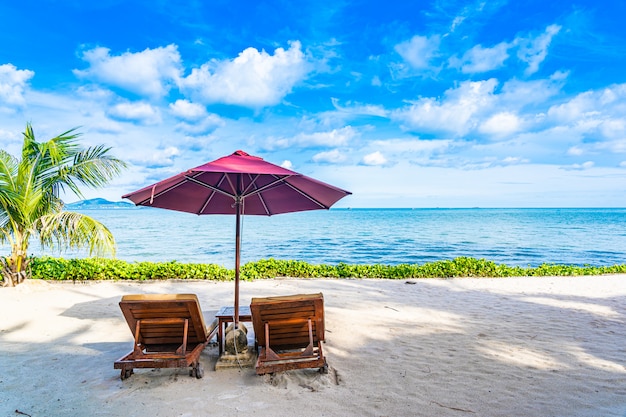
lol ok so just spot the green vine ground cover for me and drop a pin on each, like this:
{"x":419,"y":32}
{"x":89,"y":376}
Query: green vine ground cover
{"x":60,"y":269}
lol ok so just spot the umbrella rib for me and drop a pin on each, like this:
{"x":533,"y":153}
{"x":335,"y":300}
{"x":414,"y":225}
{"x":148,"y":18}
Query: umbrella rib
{"x":209,"y":186}
{"x":261,"y":199}
{"x":153,"y":196}
{"x":271,"y":184}
{"x":296,"y":189}
{"x":254,"y":185}
{"x":210,"y":197}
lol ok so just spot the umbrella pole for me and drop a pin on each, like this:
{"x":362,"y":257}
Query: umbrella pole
{"x":237,"y":260}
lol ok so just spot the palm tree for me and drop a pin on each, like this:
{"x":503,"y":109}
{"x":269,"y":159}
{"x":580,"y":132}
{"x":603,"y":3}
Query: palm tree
{"x":30,"y":202}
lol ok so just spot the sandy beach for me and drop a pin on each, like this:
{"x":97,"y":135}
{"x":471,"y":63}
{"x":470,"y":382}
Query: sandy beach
{"x":428,"y":347}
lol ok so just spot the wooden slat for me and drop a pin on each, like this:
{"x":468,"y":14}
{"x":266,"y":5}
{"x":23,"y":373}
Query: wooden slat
{"x":158,"y":323}
{"x":284,"y":321}
{"x":163,"y":306}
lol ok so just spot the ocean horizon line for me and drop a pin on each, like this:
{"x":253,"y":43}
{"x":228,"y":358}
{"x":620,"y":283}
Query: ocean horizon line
{"x":103,"y":204}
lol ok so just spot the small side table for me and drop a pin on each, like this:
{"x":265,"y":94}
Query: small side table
{"x":225,"y":316}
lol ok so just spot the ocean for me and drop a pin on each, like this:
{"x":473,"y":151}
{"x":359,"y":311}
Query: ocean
{"x":516,"y":237}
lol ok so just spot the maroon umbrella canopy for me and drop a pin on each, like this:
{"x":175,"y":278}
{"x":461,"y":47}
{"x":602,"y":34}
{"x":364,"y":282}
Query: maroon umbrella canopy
{"x":238,"y":184}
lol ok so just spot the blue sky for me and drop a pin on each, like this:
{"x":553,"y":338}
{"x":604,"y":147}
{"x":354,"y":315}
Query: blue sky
{"x":405,"y":103}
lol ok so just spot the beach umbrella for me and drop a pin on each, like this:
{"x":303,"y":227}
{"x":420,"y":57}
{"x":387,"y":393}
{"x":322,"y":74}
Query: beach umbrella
{"x":238,"y":184}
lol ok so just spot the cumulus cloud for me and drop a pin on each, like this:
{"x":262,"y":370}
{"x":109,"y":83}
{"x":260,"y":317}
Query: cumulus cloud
{"x":287,"y":164}
{"x":159,"y":158}
{"x":202,"y":126}
{"x":455,"y":113}
{"x":514,"y":160}
{"x":140,"y":112}
{"x":518,"y":93}
{"x":12,"y":85}
{"x":575,"y":151}
{"x":501,"y":124}
{"x":150,"y":73}
{"x":374,"y":158}
{"x":598,"y":113}
{"x":253,"y":79}
{"x":411,"y":146}
{"x":10,"y":139}
{"x":613,"y":128}
{"x":195,"y":119}
{"x":330,"y":138}
{"x":331,"y":157}
{"x":479,"y":59}
{"x":533,"y":51}
{"x":335,"y":137}
{"x":419,"y":50}
{"x":186,"y":110}
{"x":580,"y":167}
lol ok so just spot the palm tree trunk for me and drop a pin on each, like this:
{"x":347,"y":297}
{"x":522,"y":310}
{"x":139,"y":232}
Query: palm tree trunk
{"x":14,"y":267}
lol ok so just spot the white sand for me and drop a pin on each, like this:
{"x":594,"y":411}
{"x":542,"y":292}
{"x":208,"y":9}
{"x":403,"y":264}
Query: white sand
{"x":432,"y":347}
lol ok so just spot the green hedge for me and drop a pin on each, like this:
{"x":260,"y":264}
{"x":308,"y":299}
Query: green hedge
{"x":110,"y":269}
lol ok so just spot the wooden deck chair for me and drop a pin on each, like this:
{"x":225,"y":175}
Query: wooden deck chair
{"x":169,"y":332}
{"x":289,"y":332}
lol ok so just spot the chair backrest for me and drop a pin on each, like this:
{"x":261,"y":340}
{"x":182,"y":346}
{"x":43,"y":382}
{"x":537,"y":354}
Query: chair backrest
{"x":288,"y":319}
{"x":164,"y":306}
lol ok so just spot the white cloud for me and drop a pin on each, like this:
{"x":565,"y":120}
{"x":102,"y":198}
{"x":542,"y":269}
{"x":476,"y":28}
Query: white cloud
{"x":335,"y":137}
{"x":575,"y":151}
{"x":253,"y":79}
{"x":404,"y":147}
{"x":187,"y":110}
{"x":360,"y":109}
{"x":202,"y":126}
{"x":12,"y":85}
{"x":159,"y":158}
{"x":580,"y":167}
{"x":140,"y":112}
{"x":581,"y":106}
{"x":374,"y":158}
{"x":330,"y":138}
{"x":514,"y":160}
{"x":501,"y":124}
{"x":455,"y":114}
{"x":534,"y":51}
{"x":518,"y":93}
{"x":479,"y":59}
{"x":11,"y":141}
{"x":613,"y":128}
{"x":456,"y":22}
{"x":150,"y":73}
{"x":332,"y":157}
{"x":612,"y":146}
{"x":287,"y":164}
{"x":600,"y":113}
{"x":419,"y":50}
{"x":195,"y":118}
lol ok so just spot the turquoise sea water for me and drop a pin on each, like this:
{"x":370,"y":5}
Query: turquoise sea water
{"x":366,"y":236}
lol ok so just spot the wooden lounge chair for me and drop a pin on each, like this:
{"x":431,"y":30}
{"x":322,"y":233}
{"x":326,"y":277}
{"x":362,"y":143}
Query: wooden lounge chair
{"x":169,"y":332}
{"x":289,"y":332}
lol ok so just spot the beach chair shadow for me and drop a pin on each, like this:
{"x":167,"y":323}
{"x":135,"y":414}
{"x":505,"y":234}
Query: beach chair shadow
{"x":289,"y":332}
{"x":169,"y":331}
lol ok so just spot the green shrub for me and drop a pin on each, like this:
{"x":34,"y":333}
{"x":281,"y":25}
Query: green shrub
{"x":111,"y":269}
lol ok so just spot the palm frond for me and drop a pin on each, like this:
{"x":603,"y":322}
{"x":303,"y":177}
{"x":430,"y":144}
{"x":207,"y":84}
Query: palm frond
{"x":71,"y":230}
{"x":30,"y":190}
